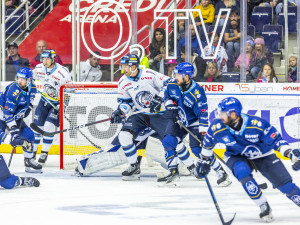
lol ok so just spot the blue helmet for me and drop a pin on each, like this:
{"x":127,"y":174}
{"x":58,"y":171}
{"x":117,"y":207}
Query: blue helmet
{"x":130,"y":60}
{"x":185,"y":68}
{"x":50,"y":53}
{"x":24,"y":72}
{"x":229,"y":105}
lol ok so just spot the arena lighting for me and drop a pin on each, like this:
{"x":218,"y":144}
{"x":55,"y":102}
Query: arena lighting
{"x":190,"y":13}
{"x":106,"y":9}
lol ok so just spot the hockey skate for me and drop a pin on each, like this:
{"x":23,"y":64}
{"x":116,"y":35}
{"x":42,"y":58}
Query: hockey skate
{"x":223,"y":179}
{"x":77,"y":173}
{"x":132,"y":173}
{"x":32,"y":166}
{"x":172,"y":179}
{"x":266,"y":213}
{"x":30,"y":182}
{"x":43,"y":157}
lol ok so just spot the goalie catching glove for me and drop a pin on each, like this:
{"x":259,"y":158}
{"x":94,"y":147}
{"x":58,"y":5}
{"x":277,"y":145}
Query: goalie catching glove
{"x":117,"y":116}
{"x":294,"y":155}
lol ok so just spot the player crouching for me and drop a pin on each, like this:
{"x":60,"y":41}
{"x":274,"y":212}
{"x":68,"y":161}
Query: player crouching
{"x":250,"y":138}
{"x":15,"y":105}
{"x":9,"y":181}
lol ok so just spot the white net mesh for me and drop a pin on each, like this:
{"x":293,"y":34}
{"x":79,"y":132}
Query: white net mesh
{"x":85,"y":104}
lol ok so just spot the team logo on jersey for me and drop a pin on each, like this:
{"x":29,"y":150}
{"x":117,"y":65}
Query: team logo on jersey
{"x":15,"y":93}
{"x":251,"y":151}
{"x":50,"y":91}
{"x":296,"y":199}
{"x":214,"y":127}
{"x":254,"y":122}
{"x":196,"y":92}
{"x":252,"y":188}
{"x":143,"y":98}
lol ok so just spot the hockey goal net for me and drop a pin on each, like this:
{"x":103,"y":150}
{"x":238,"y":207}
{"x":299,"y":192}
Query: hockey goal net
{"x":81,"y":104}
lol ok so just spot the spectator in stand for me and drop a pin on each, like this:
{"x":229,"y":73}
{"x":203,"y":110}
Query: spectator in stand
{"x":251,"y":5}
{"x":221,"y":57}
{"x":144,"y":64}
{"x":14,"y":62}
{"x":260,"y":56}
{"x":226,"y":4}
{"x":11,"y":4}
{"x":212,"y":73}
{"x":158,"y":41}
{"x":41,"y":45}
{"x":180,"y":31}
{"x":208,"y":12}
{"x":171,"y":66}
{"x":198,"y":63}
{"x":277,"y":5}
{"x":194,"y":43}
{"x":232,"y":38}
{"x":267,"y":74}
{"x":292,"y":73}
{"x":249,"y":50}
{"x":90,"y":70}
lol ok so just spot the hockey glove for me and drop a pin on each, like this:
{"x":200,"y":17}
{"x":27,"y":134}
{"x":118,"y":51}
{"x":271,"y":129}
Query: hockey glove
{"x":117,"y":116}
{"x":202,"y":167}
{"x":171,"y":112}
{"x":14,"y":132}
{"x":20,"y":141}
{"x":28,"y":110}
{"x":295,"y":157}
{"x":155,"y":104}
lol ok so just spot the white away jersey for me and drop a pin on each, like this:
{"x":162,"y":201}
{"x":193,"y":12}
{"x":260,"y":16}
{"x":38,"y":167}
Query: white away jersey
{"x":140,"y":90}
{"x":52,"y":79}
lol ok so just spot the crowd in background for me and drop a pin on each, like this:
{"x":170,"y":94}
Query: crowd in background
{"x":259,"y":59}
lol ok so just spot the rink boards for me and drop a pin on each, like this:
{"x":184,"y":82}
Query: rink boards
{"x":277,"y":103}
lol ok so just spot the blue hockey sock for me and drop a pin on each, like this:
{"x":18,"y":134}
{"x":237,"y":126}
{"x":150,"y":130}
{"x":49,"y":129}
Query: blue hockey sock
{"x":184,"y":155}
{"x":172,"y":159}
{"x":253,"y":190}
{"x":292,"y":191}
{"x":214,"y":164}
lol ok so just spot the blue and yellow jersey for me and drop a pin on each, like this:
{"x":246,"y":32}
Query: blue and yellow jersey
{"x":255,"y":139}
{"x":14,"y":102}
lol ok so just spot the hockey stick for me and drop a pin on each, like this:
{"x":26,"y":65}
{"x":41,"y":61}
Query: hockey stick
{"x":262,"y":186}
{"x":216,"y":203}
{"x":56,"y":108}
{"x":39,"y":130}
{"x":13,"y":150}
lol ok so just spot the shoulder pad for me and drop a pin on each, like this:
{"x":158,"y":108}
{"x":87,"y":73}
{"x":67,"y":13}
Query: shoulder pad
{"x":216,"y":125}
{"x":255,"y":121}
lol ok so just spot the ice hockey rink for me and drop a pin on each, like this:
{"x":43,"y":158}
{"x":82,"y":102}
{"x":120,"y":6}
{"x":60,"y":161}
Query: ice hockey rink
{"x":105,"y":199}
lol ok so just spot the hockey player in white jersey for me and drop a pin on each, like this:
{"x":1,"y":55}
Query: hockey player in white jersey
{"x":53,"y":76}
{"x":139,"y":89}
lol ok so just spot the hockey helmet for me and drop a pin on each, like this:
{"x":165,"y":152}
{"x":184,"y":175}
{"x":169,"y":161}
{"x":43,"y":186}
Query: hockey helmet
{"x":130,"y":60}
{"x":184,"y":68}
{"x":49,"y":53}
{"x":24,"y":72}
{"x":229,"y":105}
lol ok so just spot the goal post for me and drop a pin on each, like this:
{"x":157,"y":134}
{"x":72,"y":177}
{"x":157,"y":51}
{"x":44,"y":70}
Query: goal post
{"x":81,"y":104}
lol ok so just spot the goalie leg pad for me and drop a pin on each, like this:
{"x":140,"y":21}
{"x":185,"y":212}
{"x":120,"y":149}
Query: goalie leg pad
{"x":10,"y":182}
{"x":4,"y":171}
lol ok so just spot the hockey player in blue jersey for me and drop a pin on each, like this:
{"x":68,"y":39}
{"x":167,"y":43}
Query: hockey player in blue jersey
{"x":15,"y":104}
{"x":9,"y":181}
{"x":185,"y":98}
{"x":249,"y":141}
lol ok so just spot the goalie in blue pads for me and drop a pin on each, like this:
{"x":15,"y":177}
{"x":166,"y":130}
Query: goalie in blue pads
{"x":9,"y":181}
{"x":249,"y":141}
{"x":15,"y":104}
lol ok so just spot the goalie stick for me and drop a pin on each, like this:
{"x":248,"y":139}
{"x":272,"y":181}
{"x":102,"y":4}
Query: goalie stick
{"x":39,"y":130}
{"x":262,"y":186}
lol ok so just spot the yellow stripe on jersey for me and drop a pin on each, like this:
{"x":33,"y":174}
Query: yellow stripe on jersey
{"x":193,"y":96}
{"x":254,"y":128}
{"x":53,"y":99}
{"x":219,"y":131}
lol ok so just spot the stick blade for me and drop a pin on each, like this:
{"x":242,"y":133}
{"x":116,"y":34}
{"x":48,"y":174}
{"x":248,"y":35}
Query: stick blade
{"x":34,"y":127}
{"x":229,"y":222}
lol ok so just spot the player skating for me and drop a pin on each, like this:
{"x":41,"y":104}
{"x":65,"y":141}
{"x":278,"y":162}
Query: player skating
{"x":53,"y":76}
{"x":250,"y":138}
{"x":15,"y":104}
{"x":185,"y":98}
{"x":9,"y":181}
{"x":138,"y":88}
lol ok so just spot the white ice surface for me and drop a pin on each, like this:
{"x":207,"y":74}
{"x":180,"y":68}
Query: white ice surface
{"x":106,"y":199}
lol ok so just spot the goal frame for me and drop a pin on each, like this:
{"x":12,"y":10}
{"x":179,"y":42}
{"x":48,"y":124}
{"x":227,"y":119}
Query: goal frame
{"x":61,"y":111}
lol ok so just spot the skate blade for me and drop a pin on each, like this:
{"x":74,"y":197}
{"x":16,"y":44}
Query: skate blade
{"x":131,"y":178}
{"x":268,"y":218}
{"x":29,"y":170}
{"x":173,"y":183}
